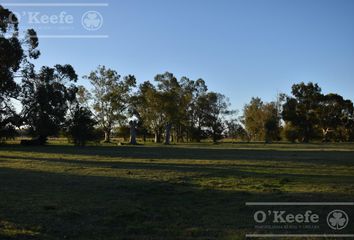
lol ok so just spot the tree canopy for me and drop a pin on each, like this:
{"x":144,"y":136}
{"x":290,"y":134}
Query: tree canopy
{"x":15,"y":54}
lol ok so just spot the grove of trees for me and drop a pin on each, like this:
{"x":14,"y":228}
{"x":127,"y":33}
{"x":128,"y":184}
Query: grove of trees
{"x":166,"y":109}
{"x":310,"y":114}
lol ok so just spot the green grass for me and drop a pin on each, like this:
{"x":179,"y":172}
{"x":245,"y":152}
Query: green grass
{"x":194,"y":191}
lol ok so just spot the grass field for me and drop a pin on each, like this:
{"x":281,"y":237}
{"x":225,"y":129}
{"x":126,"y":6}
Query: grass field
{"x":195,"y":191}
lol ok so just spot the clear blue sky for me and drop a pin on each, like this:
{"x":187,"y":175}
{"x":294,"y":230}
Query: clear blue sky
{"x":242,"y":48}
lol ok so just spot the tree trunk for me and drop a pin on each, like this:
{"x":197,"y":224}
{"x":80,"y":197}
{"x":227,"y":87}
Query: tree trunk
{"x":307,"y":134}
{"x":107,"y":136}
{"x":132,"y":125}
{"x":180,"y":137}
{"x":215,"y":140}
{"x":325,"y":132}
{"x":41,"y":140}
{"x":306,"y":138}
{"x":215,"y":134}
{"x":198,"y":139}
{"x":144,"y":136}
{"x":168,"y":133}
{"x":157,"y":137}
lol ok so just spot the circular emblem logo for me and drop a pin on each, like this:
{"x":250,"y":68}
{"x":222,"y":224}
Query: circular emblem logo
{"x":337,"y":220}
{"x":92,"y":20}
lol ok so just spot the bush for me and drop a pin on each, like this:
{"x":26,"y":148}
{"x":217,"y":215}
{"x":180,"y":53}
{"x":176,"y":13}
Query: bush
{"x":8,"y":132}
{"x":80,"y":127}
{"x":291,"y":133}
{"x":123,"y":132}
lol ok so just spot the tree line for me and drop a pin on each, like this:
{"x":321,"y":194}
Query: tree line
{"x":167,"y":109}
{"x":306,"y":115}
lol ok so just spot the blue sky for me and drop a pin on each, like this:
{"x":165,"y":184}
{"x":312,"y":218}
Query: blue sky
{"x":241,"y":48}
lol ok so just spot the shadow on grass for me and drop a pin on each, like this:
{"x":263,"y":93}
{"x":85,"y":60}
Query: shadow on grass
{"x":64,"y":206}
{"x":206,"y":170}
{"x":156,"y":152}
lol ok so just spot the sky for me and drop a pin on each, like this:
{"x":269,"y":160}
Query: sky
{"x":241,"y":48}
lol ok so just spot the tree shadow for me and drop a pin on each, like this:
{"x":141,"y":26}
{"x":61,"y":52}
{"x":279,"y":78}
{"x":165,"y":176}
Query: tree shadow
{"x":205,"y":170}
{"x":331,"y":157}
{"x":66,"y":206}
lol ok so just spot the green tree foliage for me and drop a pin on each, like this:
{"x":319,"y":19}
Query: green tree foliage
{"x":148,"y":108}
{"x":182,"y":109}
{"x":271,"y":122}
{"x":302,"y":109}
{"x":83,"y":96}
{"x":111,"y":96}
{"x":184,"y":98}
{"x":171,"y":94}
{"x":46,"y":98}
{"x":290,"y":132}
{"x":253,"y":119}
{"x":81,"y":126}
{"x":177,"y":99}
{"x":14,"y":53}
{"x":335,"y":116}
{"x":235,"y":130}
{"x":262,"y":120}
{"x":215,"y":107}
{"x":195,"y":112}
{"x":123,"y":132}
{"x":164,"y":108}
{"x":312,"y":114}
